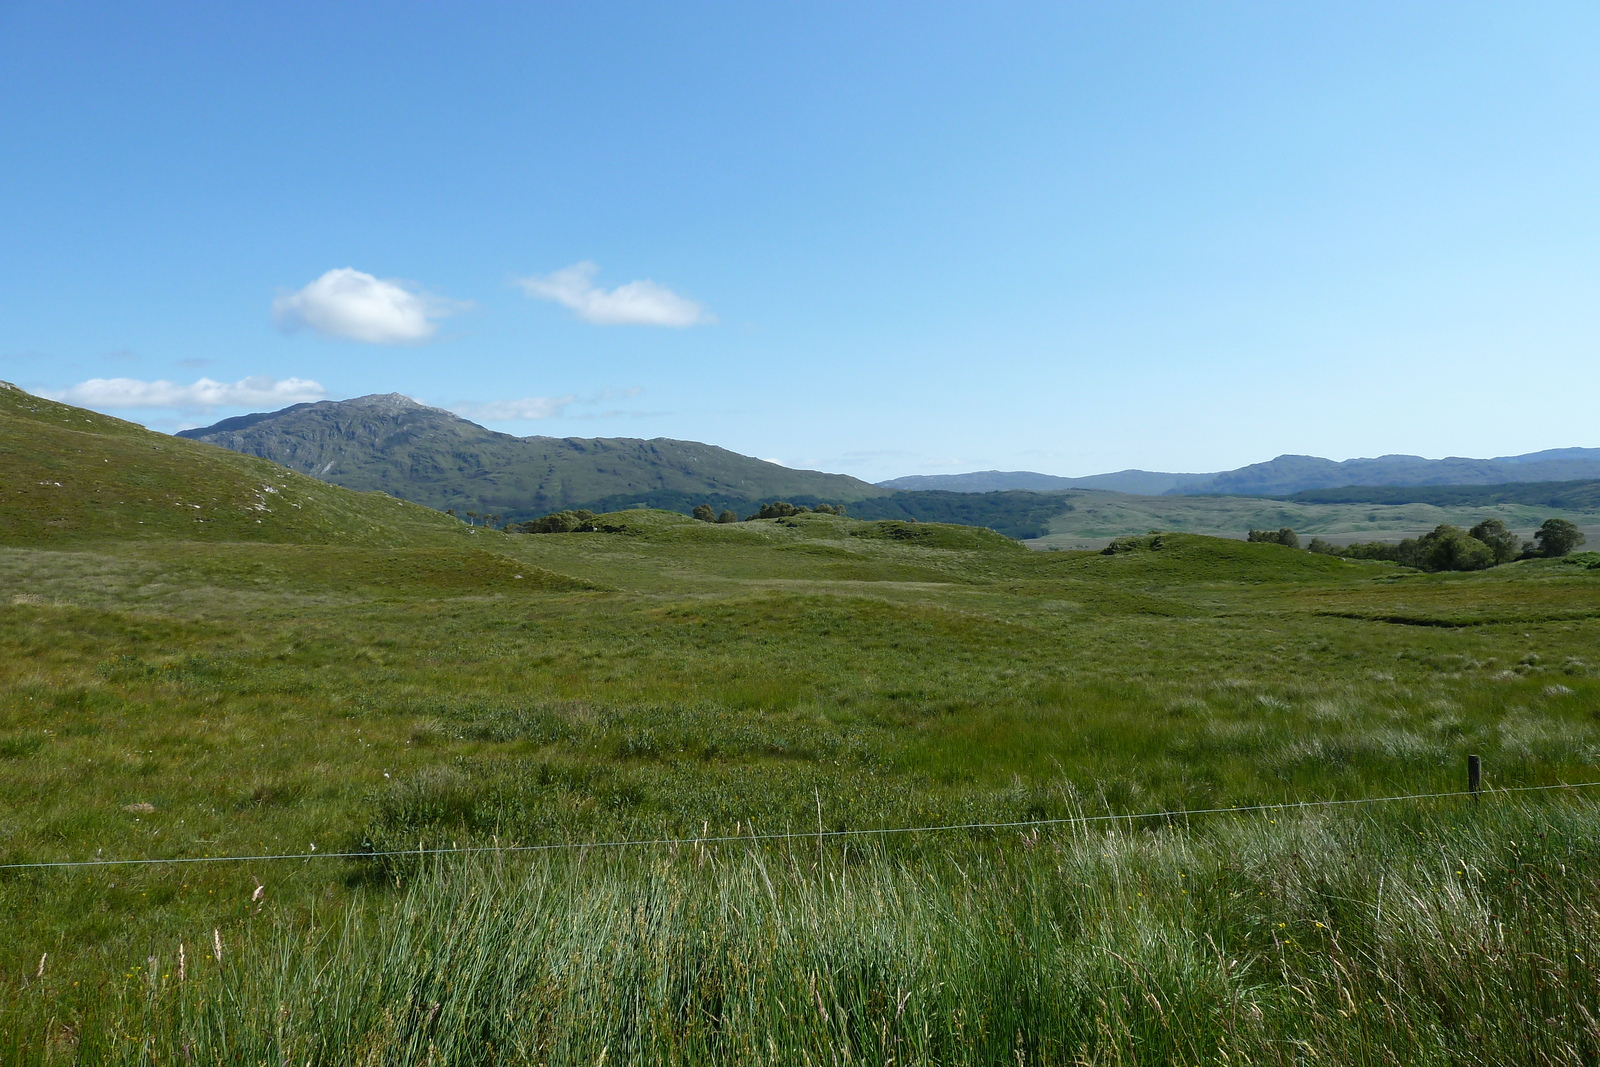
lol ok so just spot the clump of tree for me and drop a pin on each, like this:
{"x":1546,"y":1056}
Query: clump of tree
{"x":780,"y":509}
{"x":1445,"y":548}
{"x":557,"y":522}
{"x":1285,"y":537}
{"x":1450,"y":548}
{"x":1133,"y":543}
{"x":727,"y":516}
{"x":704,"y":513}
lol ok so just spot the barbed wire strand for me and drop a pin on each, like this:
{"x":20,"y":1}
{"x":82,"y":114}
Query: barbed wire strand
{"x":797,"y":835}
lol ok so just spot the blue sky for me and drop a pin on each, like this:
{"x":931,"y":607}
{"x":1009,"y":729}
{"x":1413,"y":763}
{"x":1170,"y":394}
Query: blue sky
{"x":879,"y":239}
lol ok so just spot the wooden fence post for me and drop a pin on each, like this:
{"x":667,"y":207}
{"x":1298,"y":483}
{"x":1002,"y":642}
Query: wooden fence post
{"x":1474,"y":776}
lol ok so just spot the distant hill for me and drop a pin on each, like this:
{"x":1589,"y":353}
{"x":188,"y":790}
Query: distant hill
{"x":1292,"y":474}
{"x":1581,"y":495}
{"x":1284,"y":476}
{"x":391,"y":442}
{"x":1017,"y":513}
{"x":1144,"y":483}
{"x":70,"y":475}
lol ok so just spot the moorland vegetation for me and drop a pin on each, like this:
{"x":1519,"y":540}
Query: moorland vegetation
{"x":206,"y":656}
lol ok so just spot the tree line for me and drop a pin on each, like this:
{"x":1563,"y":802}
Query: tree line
{"x":581,"y":520}
{"x":1448,"y":548}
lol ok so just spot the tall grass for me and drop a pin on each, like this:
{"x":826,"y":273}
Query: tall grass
{"x":1434,"y":933}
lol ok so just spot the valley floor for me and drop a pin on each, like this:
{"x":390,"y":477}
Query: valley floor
{"x":674,"y":679}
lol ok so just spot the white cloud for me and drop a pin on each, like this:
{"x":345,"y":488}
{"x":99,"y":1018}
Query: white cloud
{"x":358,"y":307}
{"x":203,"y":395}
{"x":642,"y":303}
{"x":529,"y":407}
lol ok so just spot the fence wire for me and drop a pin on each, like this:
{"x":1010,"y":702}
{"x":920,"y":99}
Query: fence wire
{"x":796,"y":835}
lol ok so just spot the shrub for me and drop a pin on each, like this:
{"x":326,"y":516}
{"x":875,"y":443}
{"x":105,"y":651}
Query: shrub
{"x":778,"y":510}
{"x":557,"y":522}
{"x":704,"y":513}
{"x":727,"y":516}
{"x":1285,"y":537}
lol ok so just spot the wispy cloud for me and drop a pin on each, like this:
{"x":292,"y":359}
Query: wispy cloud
{"x":540,"y":407}
{"x":204,"y":395}
{"x":641,"y":303}
{"x":356,"y":306}
{"x":529,"y":407}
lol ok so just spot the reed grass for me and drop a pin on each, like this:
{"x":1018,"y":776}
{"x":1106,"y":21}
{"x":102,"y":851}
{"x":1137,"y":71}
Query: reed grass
{"x":1440,"y":932}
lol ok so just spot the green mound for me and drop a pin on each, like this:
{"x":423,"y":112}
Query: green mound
{"x":315,"y":569}
{"x":69,"y":475}
{"x":936,"y":535}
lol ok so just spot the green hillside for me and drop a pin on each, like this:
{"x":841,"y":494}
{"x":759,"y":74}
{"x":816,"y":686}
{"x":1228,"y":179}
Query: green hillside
{"x":1291,"y":474}
{"x":1578,"y":495}
{"x":433,"y":457}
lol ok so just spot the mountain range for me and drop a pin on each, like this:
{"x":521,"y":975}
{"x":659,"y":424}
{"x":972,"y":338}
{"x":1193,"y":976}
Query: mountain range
{"x":433,"y":457}
{"x":430,"y":456}
{"x":1141,"y":483}
{"x":1287,"y":475}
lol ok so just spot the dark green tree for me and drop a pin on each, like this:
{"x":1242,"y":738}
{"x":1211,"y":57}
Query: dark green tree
{"x":778,"y":509}
{"x":1502,"y":542}
{"x":1450,"y":548}
{"x":704,"y":513}
{"x":727,"y":516}
{"x":558,"y":522}
{"x":1557,"y":537}
{"x":1285,"y":537}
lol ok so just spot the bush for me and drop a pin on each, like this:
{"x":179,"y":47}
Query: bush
{"x":727,"y":516}
{"x":704,"y":513}
{"x":1322,"y":548}
{"x":1450,"y":548}
{"x":1133,"y":543}
{"x":1285,"y":537}
{"x":557,"y":522}
{"x":778,"y":510}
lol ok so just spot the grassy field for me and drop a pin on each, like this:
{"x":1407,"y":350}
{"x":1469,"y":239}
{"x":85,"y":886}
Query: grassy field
{"x":393,"y":680}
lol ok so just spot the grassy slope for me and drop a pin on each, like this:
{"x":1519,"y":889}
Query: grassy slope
{"x":687,"y":676}
{"x":71,"y":475}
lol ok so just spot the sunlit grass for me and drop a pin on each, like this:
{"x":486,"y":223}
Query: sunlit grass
{"x":679,"y":679}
